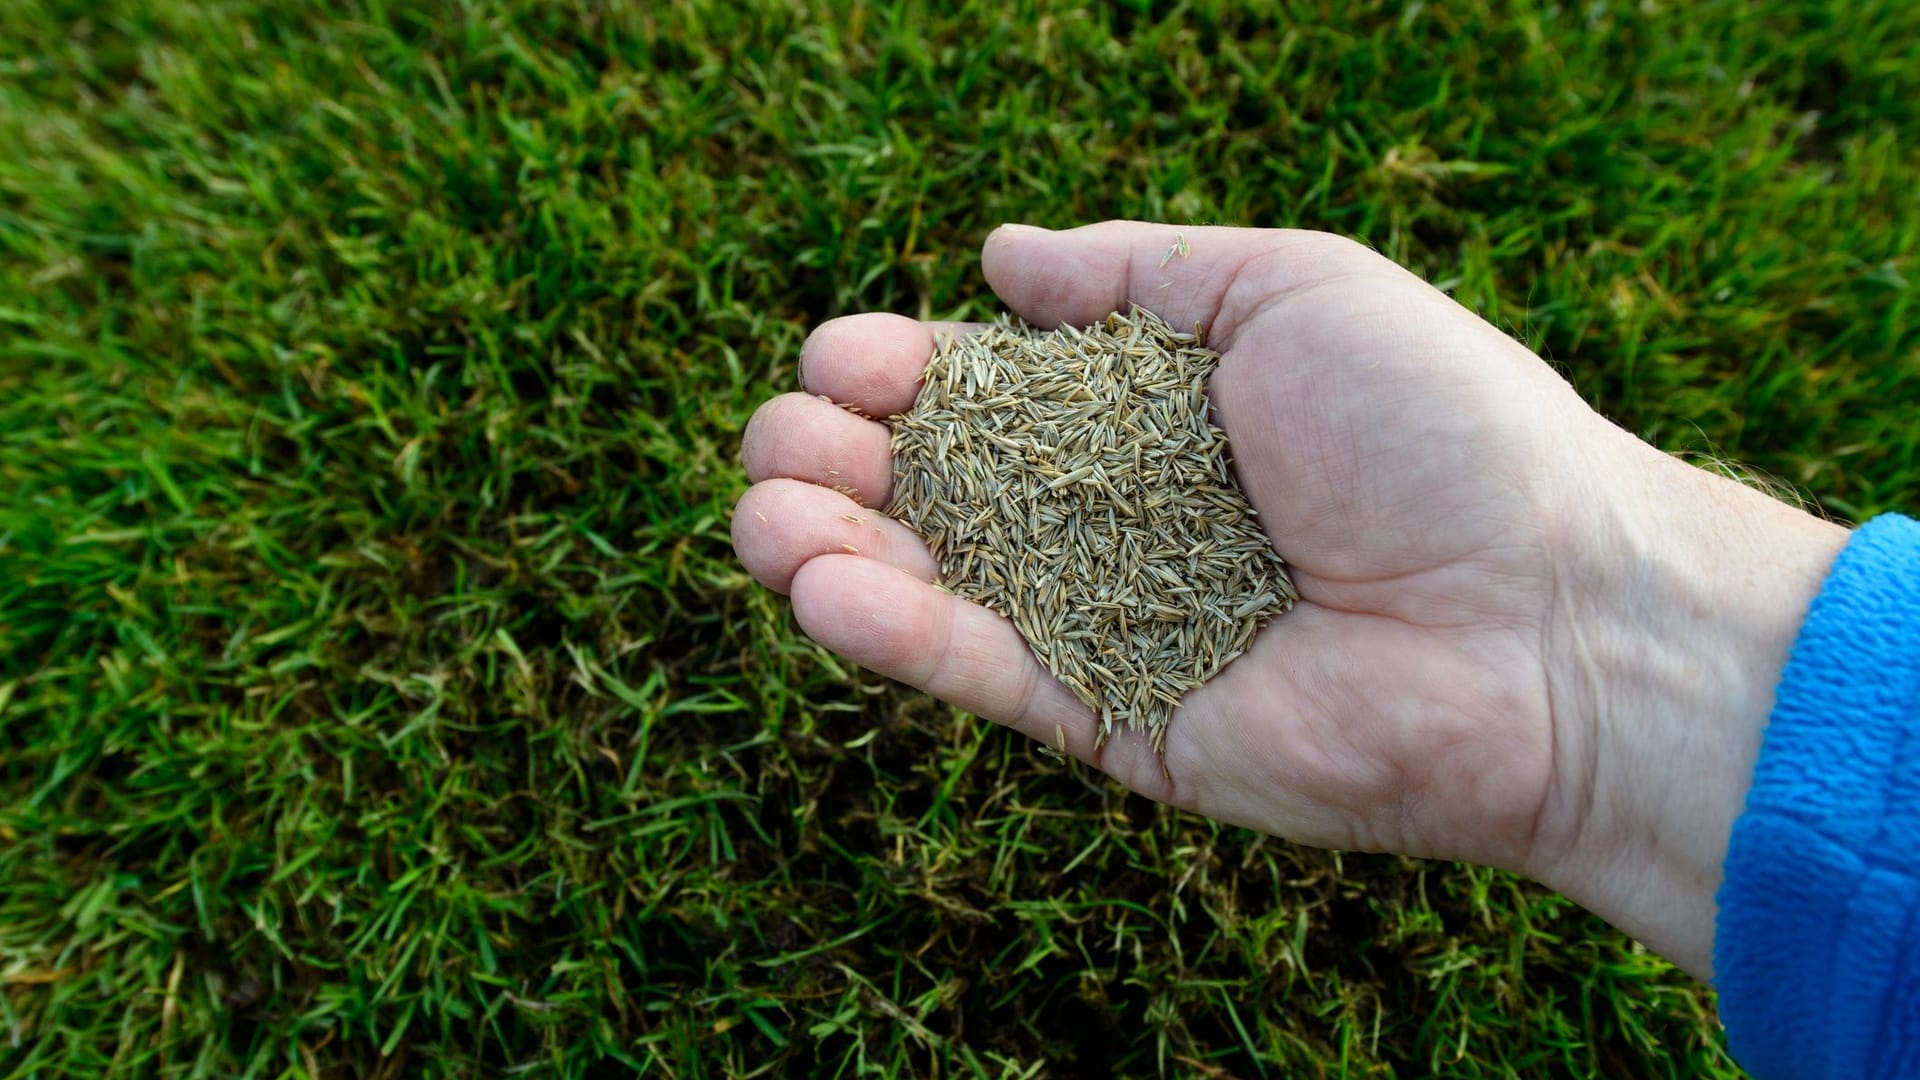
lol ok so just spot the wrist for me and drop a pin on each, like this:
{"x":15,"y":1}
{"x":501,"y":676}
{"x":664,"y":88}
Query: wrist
{"x":1667,"y":647}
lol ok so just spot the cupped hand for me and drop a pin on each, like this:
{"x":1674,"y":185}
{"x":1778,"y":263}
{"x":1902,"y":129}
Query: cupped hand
{"x":1493,"y":579}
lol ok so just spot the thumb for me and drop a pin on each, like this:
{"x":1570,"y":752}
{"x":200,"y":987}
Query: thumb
{"x":1185,"y":275}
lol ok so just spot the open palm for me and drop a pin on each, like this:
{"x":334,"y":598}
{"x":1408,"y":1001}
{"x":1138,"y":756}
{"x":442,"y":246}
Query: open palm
{"x":1525,"y":637}
{"x":1404,"y":458}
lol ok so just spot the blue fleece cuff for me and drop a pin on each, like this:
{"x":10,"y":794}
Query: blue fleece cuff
{"x":1817,"y":948}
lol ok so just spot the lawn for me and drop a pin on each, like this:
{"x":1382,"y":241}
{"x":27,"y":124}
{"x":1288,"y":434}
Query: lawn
{"x":379,"y":695}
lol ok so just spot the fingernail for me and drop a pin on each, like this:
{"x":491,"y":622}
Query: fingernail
{"x":1014,"y":228}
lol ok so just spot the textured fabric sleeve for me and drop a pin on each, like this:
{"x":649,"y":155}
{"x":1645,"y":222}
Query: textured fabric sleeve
{"x":1817,"y":948}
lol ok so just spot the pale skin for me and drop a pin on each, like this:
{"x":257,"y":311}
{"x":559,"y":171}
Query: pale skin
{"x":1525,"y":638}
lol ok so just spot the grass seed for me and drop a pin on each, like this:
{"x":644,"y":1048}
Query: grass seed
{"x":1072,"y":481}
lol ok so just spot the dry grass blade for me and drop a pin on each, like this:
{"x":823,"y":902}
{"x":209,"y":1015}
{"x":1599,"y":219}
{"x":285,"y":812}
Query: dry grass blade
{"x":1071,"y":481}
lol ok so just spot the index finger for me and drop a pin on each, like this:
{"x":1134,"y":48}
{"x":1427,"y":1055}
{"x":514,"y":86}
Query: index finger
{"x":872,"y":362}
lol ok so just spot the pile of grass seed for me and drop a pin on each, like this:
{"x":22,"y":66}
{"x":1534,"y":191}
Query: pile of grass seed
{"x":1072,"y":481}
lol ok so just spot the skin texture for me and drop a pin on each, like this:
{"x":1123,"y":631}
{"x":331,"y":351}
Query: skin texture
{"x":1525,"y":638}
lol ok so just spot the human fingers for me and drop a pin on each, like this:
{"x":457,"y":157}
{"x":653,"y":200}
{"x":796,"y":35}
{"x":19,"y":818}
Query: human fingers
{"x":906,"y":629}
{"x":1208,"y":276}
{"x":805,"y":438}
{"x":780,"y":524}
{"x":872,"y":362}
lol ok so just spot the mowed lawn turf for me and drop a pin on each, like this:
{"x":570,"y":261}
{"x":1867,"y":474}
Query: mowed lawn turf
{"x":379,"y":695}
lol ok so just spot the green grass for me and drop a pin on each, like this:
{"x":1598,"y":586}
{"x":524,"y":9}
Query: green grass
{"x":378,"y":693}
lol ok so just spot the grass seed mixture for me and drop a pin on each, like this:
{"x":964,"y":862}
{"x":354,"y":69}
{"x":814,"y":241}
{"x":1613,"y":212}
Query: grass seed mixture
{"x":1071,"y":481}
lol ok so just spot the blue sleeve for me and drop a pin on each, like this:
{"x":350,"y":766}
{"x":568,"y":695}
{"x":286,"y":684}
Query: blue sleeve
{"x":1817,"y":948}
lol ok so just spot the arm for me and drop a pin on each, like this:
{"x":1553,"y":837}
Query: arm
{"x":1667,"y":654}
{"x":1525,"y":638}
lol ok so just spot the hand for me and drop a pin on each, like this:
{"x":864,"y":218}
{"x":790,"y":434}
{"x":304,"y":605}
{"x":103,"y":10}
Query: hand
{"x":1525,"y":638}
